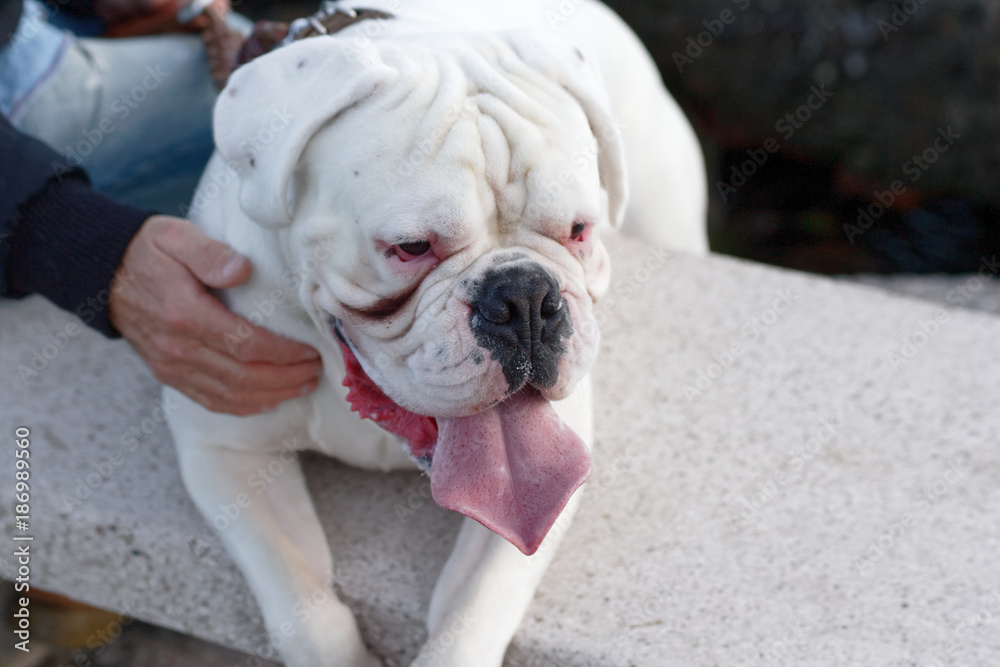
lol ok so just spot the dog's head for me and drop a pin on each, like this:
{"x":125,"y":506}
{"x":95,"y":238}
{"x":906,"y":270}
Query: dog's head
{"x":444,"y":197}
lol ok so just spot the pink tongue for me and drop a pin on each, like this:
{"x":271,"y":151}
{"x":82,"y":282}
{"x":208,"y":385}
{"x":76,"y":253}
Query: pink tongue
{"x":512,"y":468}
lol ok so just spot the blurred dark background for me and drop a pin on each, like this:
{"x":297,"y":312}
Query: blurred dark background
{"x":886,"y":80}
{"x":893,"y":78}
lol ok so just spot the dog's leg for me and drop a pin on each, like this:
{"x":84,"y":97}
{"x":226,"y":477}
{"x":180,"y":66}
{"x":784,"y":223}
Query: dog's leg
{"x":482,"y":594}
{"x":486,"y":585}
{"x":279,"y":544}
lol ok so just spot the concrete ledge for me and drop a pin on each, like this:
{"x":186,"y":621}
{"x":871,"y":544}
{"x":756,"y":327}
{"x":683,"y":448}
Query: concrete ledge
{"x":790,"y":471}
{"x":979,"y":291}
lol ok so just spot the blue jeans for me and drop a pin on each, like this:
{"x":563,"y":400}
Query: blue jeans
{"x":135,"y":113}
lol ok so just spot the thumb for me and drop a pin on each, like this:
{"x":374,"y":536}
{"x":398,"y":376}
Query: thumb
{"x":214,"y":263}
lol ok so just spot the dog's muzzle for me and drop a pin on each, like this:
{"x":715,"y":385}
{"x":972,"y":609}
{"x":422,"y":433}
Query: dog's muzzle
{"x":520,"y":317}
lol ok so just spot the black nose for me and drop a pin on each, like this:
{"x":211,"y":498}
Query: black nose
{"x":519,"y":315}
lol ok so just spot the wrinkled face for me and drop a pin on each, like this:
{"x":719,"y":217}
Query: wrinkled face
{"x":441,"y":197}
{"x":459,"y":228}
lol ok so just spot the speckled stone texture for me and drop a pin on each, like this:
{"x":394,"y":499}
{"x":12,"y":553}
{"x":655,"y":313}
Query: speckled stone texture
{"x":789,"y":471}
{"x":979,"y":291}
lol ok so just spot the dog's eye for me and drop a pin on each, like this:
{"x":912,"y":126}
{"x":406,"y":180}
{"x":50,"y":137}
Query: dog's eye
{"x":578,"y":232}
{"x":408,"y":251}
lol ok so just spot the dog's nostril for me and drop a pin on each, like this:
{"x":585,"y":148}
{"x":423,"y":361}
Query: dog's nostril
{"x":517,"y":301}
{"x":551,"y":304}
{"x":519,"y":315}
{"x":498,"y":312}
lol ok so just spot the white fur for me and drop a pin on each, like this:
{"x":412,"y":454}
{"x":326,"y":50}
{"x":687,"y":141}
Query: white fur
{"x":453,"y":133}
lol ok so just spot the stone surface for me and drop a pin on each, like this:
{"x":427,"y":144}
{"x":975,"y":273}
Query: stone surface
{"x":976,"y":291}
{"x":794,"y":499}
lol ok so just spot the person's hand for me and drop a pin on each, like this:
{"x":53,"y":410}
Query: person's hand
{"x":132,"y":18}
{"x":185,"y":335}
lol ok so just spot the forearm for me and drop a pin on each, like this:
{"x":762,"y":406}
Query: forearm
{"x":58,"y":238}
{"x":66,"y":245}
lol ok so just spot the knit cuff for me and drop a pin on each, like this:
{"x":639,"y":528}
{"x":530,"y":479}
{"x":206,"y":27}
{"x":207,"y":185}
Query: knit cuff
{"x":67,"y":244}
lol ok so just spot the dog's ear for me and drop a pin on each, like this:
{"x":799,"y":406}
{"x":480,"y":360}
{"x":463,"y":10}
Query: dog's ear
{"x":578,"y":74}
{"x":273,"y":106}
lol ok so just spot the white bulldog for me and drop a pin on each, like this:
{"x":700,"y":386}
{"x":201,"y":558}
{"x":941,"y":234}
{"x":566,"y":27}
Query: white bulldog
{"x":422,"y":197}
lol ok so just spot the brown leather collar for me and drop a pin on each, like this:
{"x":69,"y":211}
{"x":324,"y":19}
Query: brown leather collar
{"x":226,"y":53}
{"x":329,"y":20}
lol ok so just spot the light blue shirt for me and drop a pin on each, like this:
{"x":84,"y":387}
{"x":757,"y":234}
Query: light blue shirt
{"x":29,"y":57}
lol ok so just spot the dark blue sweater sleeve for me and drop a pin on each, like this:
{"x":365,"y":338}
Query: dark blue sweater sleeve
{"x":58,"y":237}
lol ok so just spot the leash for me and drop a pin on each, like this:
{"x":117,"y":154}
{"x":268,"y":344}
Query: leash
{"x":227,"y":49}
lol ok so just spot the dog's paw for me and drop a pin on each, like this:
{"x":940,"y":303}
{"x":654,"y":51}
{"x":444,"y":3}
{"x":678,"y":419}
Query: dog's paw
{"x":370,"y":660}
{"x":447,"y":650}
{"x":437,"y":658}
{"x":328,"y":637}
